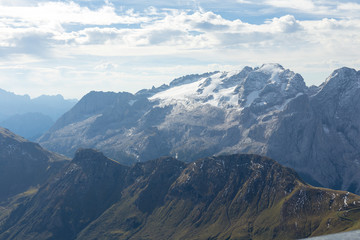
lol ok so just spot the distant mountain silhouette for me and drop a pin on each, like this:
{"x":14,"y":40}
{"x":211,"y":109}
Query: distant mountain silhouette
{"x":29,"y":125}
{"x":28,"y":117}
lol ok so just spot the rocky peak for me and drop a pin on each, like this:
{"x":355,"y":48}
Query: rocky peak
{"x":341,"y":80}
{"x":285,"y":78}
{"x":93,"y":162}
{"x":92,"y":106}
{"x":94,"y":102}
{"x":269,"y":68}
{"x":341,"y":88}
{"x":270,"y":85}
{"x":342,"y":73}
{"x":88,"y":156}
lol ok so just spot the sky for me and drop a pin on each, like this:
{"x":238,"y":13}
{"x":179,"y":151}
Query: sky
{"x":74,"y":47}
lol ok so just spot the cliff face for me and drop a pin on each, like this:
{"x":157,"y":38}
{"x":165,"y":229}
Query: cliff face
{"x":317,"y":135}
{"x":224,"y":197}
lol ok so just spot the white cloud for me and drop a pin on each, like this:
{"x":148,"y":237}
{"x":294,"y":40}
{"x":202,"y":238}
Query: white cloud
{"x":67,"y":42}
{"x":69,"y":13}
{"x":318,"y":8}
{"x":180,"y":28}
{"x":349,"y":6}
{"x":244,"y":1}
{"x":106,"y":66}
{"x":294,"y":4}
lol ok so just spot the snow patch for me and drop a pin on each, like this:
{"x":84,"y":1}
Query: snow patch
{"x":206,"y":90}
{"x":273,"y":69}
{"x":179,"y":92}
{"x":345,"y":199}
{"x":131,"y":102}
{"x":251,"y":97}
{"x":282,"y":107}
{"x":326,"y":129}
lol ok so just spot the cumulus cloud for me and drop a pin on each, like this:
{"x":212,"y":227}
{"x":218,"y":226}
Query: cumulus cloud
{"x":68,"y":12}
{"x":285,"y":24}
{"x":76,"y":35}
{"x":54,"y":23}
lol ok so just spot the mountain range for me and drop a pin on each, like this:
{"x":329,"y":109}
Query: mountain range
{"x":31,"y":117}
{"x":266,"y":110}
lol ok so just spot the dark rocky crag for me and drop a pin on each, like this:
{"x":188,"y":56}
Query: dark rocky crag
{"x":224,"y":197}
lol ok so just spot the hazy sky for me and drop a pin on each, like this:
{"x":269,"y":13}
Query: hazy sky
{"x":73,"y":47}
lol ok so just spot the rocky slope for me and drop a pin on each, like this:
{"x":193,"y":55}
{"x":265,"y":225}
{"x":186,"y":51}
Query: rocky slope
{"x":24,"y":164}
{"x":266,"y":110}
{"x":224,"y":197}
{"x":68,"y":202}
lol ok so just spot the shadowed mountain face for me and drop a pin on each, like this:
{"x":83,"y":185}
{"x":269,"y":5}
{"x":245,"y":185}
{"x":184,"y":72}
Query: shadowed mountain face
{"x":24,"y":164}
{"x":225,"y":197}
{"x":63,"y":206}
{"x":267,"y":110}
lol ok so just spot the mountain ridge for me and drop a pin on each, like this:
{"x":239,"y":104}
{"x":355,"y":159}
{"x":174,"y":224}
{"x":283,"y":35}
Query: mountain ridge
{"x":49,"y":105}
{"x":238,"y":196}
{"x":31,"y":117}
{"x":24,"y":164}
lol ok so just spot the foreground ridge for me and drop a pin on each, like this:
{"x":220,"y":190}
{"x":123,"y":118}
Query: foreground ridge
{"x":237,"y":196}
